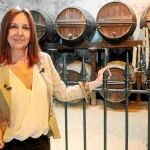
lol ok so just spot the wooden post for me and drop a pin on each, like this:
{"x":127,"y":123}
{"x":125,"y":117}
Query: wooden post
{"x":147,"y":46}
{"x":93,"y":51}
{"x":134,"y":56}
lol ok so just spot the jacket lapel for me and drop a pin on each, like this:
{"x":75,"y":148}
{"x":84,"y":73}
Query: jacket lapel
{"x":42,"y":69}
{"x":4,"y":84}
{"x":54,"y":130}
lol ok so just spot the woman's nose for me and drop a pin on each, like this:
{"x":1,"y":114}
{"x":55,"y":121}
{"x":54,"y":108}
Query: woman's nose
{"x":20,"y":31}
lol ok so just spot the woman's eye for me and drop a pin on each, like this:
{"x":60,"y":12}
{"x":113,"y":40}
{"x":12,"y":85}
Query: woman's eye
{"x":13,"y":27}
{"x":17,"y":27}
{"x":26,"y":28}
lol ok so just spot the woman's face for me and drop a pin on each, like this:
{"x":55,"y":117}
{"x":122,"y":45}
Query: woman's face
{"x":19,"y":32}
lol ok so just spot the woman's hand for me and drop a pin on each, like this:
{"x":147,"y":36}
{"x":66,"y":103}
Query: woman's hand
{"x":1,"y":145}
{"x":99,"y":80}
{"x":1,"y":140}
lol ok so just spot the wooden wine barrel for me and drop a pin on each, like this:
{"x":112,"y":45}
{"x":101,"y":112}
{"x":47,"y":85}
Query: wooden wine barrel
{"x":116,"y":21}
{"x":75,"y":25}
{"x":74,"y":70}
{"x":117,"y":69}
{"x":145,"y":18}
{"x":45,"y":25}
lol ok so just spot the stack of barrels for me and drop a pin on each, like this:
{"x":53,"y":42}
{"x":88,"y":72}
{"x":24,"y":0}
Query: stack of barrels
{"x":115,"y":21}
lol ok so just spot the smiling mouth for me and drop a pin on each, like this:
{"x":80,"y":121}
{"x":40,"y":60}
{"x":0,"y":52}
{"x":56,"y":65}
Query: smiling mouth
{"x":18,"y":39}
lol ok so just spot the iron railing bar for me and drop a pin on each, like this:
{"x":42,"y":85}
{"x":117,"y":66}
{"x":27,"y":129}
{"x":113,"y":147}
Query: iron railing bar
{"x":126,"y":100}
{"x":105,"y":112}
{"x":118,"y":82}
{"x":105,"y":88}
{"x":122,"y":90}
{"x":148,"y":139}
{"x":83,"y":73}
{"x":66,"y":125}
{"x":65,"y":103}
{"x":108,"y":82}
{"x":148,"y":80}
{"x":84,"y":124}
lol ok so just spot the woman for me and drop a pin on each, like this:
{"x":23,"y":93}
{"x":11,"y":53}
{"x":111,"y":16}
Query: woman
{"x":28,"y":80}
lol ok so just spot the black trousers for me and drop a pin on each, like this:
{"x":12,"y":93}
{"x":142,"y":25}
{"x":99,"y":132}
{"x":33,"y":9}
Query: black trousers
{"x":41,"y":143}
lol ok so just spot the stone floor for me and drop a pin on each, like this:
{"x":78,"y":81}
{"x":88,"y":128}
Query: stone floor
{"x":115,"y":127}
